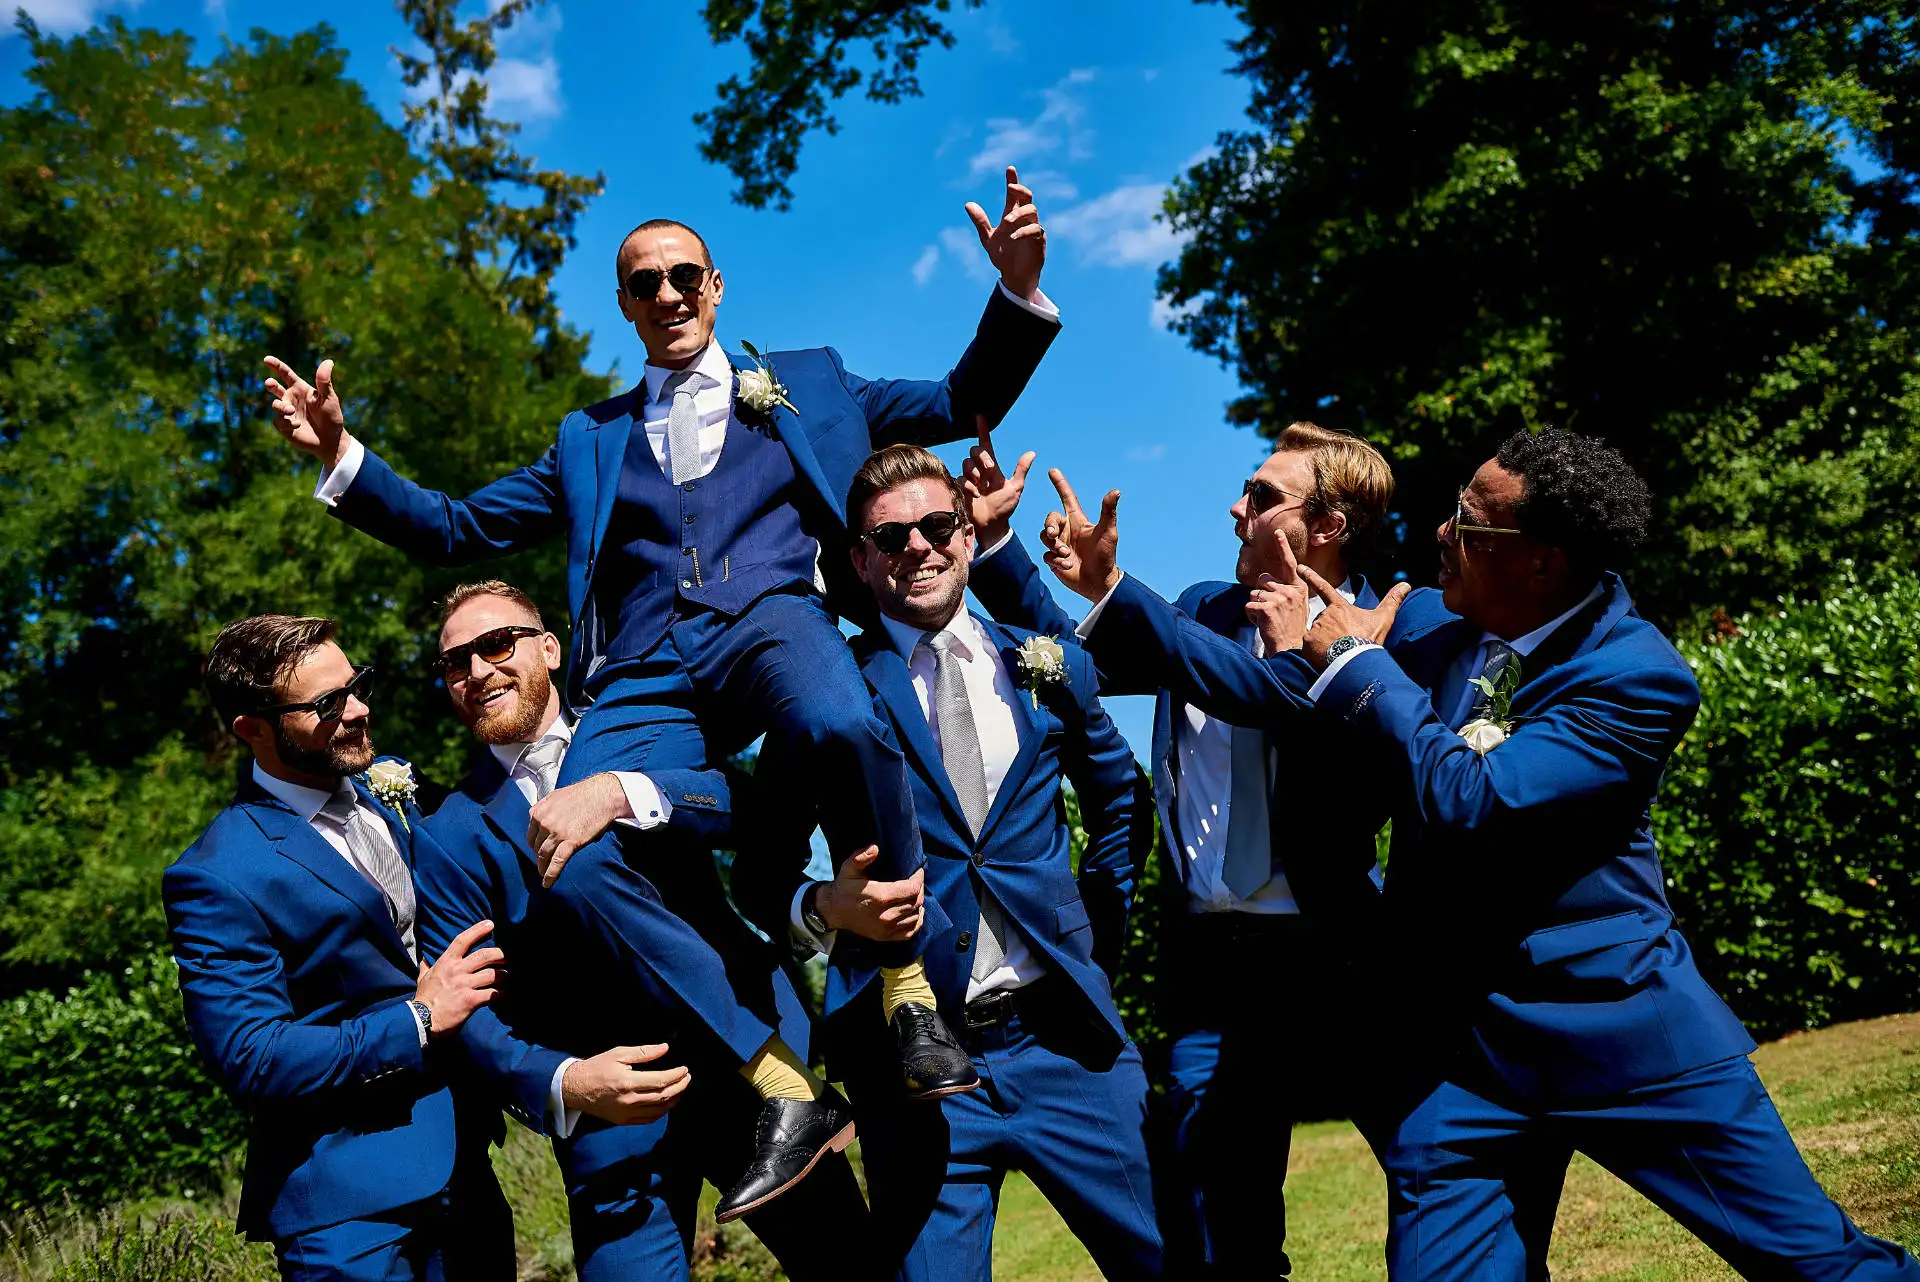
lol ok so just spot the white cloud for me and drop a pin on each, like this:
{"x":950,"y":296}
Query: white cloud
{"x":1049,"y":185}
{"x":1120,"y":229}
{"x":59,"y":17}
{"x":1147,"y":453}
{"x":524,"y":82}
{"x":1163,"y":313}
{"x":964,"y":247}
{"x":1059,"y":130}
{"x":1000,"y":41}
{"x":923,"y":266}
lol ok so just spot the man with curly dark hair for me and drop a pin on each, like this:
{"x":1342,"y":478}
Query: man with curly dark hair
{"x":1514,"y":725}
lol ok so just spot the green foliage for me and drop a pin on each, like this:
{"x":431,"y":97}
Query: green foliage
{"x":1453,"y":220}
{"x":102,"y":1094}
{"x":1134,"y":984}
{"x":1787,"y":817}
{"x":123,"y":1243}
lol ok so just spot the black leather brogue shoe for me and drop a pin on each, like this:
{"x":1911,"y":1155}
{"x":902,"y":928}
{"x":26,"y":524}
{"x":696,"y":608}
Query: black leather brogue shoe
{"x":931,"y":1061}
{"x":791,"y":1138}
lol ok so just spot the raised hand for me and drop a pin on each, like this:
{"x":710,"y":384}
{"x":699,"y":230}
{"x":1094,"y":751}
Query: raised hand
{"x":880,"y":910}
{"x":568,"y":818}
{"x":1278,"y":606}
{"x":992,"y":495}
{"x":461,"y":982}
{"x":1342,"y":618}
{"x":1017,"y":244}
{"x":309,"y":414}
{"x":612,"y":1087}
{"x":1083,"y":553}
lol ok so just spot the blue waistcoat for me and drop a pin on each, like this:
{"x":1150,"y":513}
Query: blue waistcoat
{"x":722,"y":541}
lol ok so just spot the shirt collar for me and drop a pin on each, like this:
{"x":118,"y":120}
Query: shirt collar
{"x":963,"y":627}
{"x":1524,"y":646}
{"x":713,"y":363}
{"x":302,"y":800}
{"x":509,"y":754}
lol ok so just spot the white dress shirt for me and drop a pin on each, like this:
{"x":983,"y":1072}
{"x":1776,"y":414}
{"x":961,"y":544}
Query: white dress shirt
{"x":307,"y":802}
{"x":991,"y":692}
{"x":1477,"y":657}
{"x":1202,"y":767}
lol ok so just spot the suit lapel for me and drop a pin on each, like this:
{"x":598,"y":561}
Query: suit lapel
{"x":1027,"y":724}
{"x":1574,"y":637}
{"x":789,"y":431}
{"x":609,"y":457}
{"x":397,"y":828}
{"x":295,"y":838}
{"x":887,"y":674}
{"x":508,"y":813}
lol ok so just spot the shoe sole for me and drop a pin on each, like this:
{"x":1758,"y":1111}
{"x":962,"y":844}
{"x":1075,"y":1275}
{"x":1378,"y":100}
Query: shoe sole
{"x":837,"y":1144}
{"x":941,"y":1092}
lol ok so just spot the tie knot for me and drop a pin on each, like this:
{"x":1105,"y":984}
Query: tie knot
{"x":685,"y":380}
{"x":941,"y":642}
{"x":341,"y":805}
{"x":543,"y":757}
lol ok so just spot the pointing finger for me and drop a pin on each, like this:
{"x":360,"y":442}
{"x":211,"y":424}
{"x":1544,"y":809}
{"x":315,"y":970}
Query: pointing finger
{"x":1020,"y":468}
{"x":280,"y":367}
{"x":1390,"y":603}
{"x":1321,"y":588}
{"x":1068,"y":499}
{"x":982,"y":225}
{"x":1109,"y":509}
{"x":323,"y":380}
{"x":1013,"y":181}
{"x":1288,"y":564}
{"x":986,"y":433}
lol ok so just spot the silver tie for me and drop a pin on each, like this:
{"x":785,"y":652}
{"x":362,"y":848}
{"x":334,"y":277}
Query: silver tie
{"x":1500,"y":656}
{"x":541,"y":763}
{"x":376,"y":860}
{"x":683,"y":428}
{"x":966,"y":768}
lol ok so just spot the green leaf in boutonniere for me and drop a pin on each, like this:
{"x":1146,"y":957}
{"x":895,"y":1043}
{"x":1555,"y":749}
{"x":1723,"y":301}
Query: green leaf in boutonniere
{"x":757,"y":388}
{"x":1489,"y":730}
{"x":1042,"y":662}
{"x":391,"y":783}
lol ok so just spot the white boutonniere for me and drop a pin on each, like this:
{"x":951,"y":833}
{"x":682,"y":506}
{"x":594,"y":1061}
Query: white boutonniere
{"x":1042,"y":663}
{"x":757,"y":388}
{"x":391,"y":782}
{"x":1488,"y":731}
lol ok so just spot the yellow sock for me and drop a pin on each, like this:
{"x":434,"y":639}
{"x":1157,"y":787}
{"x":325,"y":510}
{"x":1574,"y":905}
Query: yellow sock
{"x":777,"y":1073}
{"x":902,"y":984}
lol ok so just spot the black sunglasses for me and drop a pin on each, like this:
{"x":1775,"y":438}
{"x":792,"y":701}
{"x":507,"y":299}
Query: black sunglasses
{"x":495,"y":646}
{"x":1261,"y":495}
{"x":935,"y":527}
{"x":644,"y":283}
{"x":330,"y":706}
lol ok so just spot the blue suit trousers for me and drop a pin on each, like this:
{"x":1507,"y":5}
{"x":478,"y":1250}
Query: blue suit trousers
{"x":1074,"y":1125}
{"x":1707,"y":1147}
{"x":782,"y":668}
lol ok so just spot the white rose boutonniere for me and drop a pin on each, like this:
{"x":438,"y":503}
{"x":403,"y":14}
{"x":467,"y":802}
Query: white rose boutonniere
{"x":392,"y":783}
{"x":1488,"y":731}
{"x":757,"y":388}
{"x":1042,"y":663}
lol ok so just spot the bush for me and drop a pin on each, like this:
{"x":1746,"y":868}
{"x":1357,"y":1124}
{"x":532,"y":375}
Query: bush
{"x":1787,"y":814}
{"x":121,"y":1244}
{"x":102,"y":1094}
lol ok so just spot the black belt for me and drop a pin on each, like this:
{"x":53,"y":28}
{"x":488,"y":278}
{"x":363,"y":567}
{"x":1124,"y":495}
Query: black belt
{"x":991,"y":1010}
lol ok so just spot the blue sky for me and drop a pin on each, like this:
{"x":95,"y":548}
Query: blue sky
{"x":1099,"y":103}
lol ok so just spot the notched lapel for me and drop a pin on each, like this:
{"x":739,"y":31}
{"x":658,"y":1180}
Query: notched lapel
{"x":508,"y":813}
{"x":1031,"y":725}
{"x":294,"y":838}
{"x":792,"y":433}
{"x":609,"y":456}
{"x":887,"y":673}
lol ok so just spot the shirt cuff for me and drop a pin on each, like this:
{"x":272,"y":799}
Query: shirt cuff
{"x":1040,"y":305}
{"x":337,"y":480}
{"x":650,"y":809}
{"x":1085,"y":629}
{"x":1325,"y":679}
{"x":1002,"y":541}
{"x":803,"y":933}
{"x":564,"y":1118}
{"x":418,"y":1027}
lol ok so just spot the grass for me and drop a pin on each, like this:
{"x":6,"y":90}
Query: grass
{"x":1850,"y":1094}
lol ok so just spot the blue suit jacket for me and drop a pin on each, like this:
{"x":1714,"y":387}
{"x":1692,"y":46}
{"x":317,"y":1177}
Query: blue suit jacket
{"x":1340,"y":881}
{"x":559,"y":996}
{"x":571,"y":488}
{"x":1524,"y":893}
{"x":1022,"y":852}
{"x":295,"y":985}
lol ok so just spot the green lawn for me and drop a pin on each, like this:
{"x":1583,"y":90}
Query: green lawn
{"x":1851,"y":1094}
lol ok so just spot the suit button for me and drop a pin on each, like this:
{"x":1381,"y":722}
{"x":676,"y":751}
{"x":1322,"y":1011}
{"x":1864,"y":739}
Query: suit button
{"x":686,"y":583}
{"x":979,"y":859}
{"x":687,"y":519}
{"x":963,"y":943}
{"x":688,"y":487}
{"x":686,"y":551}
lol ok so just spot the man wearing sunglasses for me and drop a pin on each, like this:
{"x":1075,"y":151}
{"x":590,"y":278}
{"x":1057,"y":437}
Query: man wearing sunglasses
{"x":1543,"y":1000}
{"x":294,"y":922}
{"x":1019,"y":947}
{"x":618,"y":1009}
{"x":1243,"y":903}
{"x":696,"y":516}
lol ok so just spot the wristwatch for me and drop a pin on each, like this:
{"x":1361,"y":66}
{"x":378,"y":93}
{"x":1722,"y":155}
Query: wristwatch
{"x":810,"y":910}
{"x":424,"y":1013}
{"x":1343,"y":645}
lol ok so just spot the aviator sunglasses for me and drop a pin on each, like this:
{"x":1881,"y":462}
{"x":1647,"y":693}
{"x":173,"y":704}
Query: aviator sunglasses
{"x":1459,"y":524}
{"x":495,"y":646}
{"x":1260,"y":495}
{"x":644,"y":283}
{"x":330,"y":706}
{"x":935,"y":527}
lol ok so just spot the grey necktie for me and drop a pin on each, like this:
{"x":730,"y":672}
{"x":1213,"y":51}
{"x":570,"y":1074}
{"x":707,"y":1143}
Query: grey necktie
{"x":541,"y":763}
{"x":1500,"y":656}
{"x":683,"y":427}
{"x":1249,"y":860}
{"x":375,"y":859}
{"x":966,"y":768}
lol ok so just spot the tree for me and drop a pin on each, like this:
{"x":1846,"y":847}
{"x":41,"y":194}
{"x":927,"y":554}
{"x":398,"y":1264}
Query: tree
{"x":1687,"y":228}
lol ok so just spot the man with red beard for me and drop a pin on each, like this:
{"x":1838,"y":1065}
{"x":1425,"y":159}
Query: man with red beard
{"x":679,"y":986}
